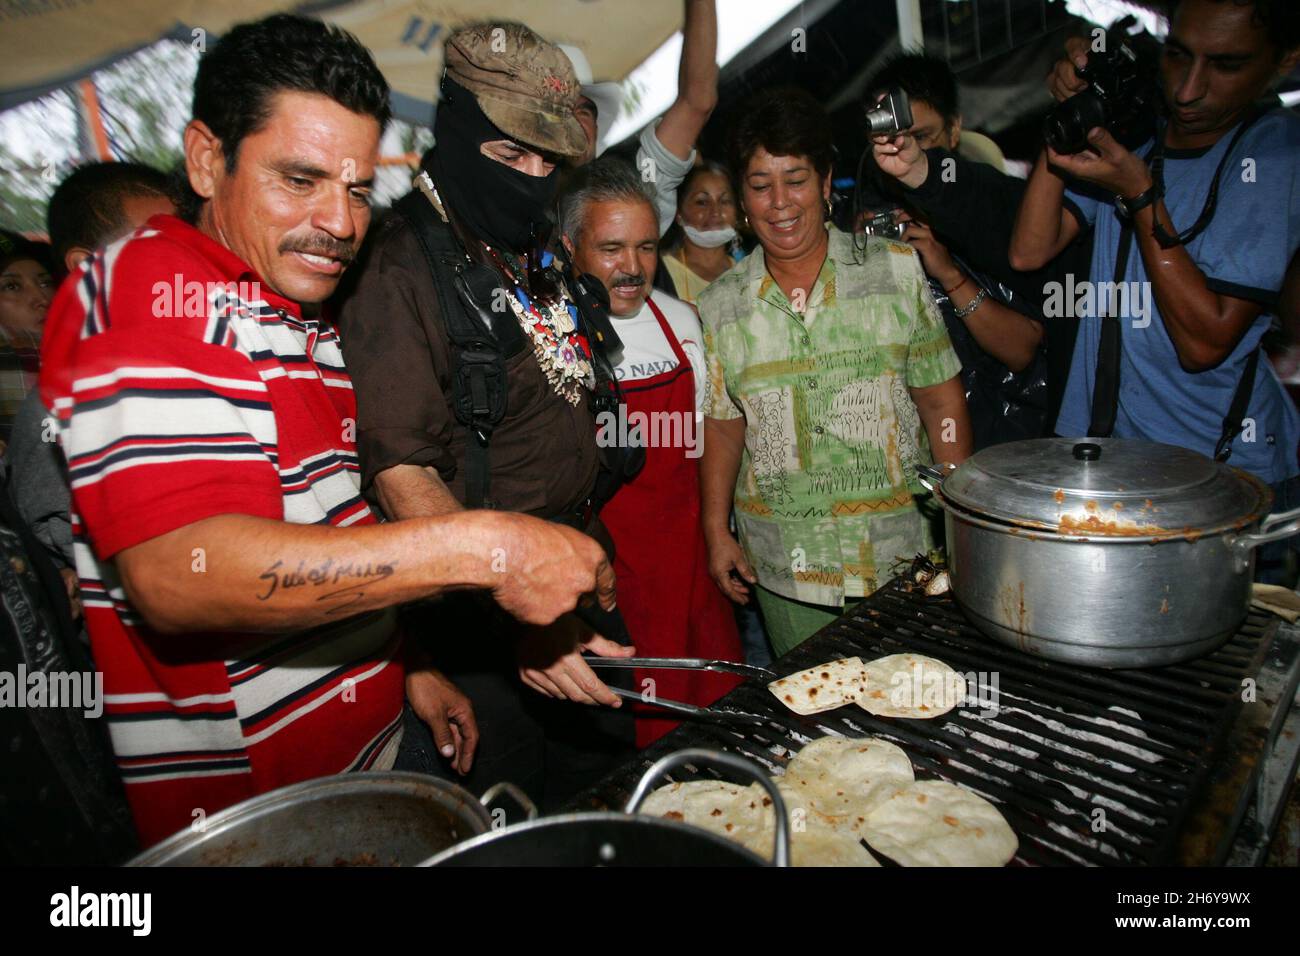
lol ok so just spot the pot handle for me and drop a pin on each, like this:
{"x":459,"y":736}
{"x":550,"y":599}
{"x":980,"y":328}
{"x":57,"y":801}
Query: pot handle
{"x":781,"y":854}
{"x":1273,"y":528}
{"x":932,"y":476}
{"x":509,"y":789}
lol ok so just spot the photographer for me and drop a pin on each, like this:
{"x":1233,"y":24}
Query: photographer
{"x":994,"y":333}
{"x":999,"y":346}
{"x":1199,"y":286}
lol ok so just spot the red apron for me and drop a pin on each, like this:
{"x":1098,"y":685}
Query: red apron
{"x":670,"y":603}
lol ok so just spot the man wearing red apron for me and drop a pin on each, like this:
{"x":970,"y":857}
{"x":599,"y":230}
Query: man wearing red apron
{"x":670,"y":603}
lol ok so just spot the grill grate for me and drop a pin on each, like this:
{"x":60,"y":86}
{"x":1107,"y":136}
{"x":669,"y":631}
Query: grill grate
{"x":1065,"y":741}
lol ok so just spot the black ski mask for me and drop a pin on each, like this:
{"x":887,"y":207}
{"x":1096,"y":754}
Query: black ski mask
{"x":500,"y":205}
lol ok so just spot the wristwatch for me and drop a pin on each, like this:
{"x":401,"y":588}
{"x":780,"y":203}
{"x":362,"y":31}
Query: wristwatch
{"x":1128,"y":208}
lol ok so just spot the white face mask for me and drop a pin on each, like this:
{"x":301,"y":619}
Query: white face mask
{"x":709,"y":238}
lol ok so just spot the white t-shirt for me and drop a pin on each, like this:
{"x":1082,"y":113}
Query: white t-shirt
{"x":647,"y":353}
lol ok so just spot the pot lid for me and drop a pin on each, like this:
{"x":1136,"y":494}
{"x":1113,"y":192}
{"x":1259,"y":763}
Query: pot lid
{"x":1105,"y":486}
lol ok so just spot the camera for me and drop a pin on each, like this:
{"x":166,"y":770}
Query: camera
{"x":883,"y":224}
{"x":1121,"y":91}
{"x":891,"y":115}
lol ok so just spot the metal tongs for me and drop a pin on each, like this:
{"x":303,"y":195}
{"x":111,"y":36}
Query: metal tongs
{"x":610,"y":624}
{"x":683,"y":664}
{"x":686,"y":664}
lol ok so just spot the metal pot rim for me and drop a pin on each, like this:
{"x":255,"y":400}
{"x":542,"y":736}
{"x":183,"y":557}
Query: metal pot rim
{"x":617,"y":818}
{"x":1150,"y":487}
{"x":1041,"y":530}
{"x":368,"y":781}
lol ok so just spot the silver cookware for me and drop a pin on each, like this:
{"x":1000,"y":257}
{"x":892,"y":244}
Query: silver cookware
{"x":1102,"y":551}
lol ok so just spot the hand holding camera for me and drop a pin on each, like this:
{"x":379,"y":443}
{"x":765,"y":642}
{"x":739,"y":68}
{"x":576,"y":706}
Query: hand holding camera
{"x":1104,"y":99}
{"x":935,"y":258}
{"x":896,"y":151}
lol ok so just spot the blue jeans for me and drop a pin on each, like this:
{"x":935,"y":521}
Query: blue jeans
{"x":1274,"y":563}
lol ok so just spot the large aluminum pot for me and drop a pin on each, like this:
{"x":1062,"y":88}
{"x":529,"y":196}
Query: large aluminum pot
{"x":379,"y":818}
{"x":1105,"y":552}
{"x":625,"y":839}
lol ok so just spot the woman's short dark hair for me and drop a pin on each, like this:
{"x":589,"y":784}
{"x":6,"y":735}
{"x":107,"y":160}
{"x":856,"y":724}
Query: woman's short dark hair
{"x":785,"y":121}
{"x":240,"y":74}
{"x":15,"y":248}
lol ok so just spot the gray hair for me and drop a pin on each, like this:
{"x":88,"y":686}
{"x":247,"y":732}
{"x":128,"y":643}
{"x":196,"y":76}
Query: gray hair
{"x":607,"y":179}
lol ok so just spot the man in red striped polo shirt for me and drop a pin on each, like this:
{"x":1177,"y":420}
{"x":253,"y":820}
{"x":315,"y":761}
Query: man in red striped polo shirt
{"x":237,"y":587}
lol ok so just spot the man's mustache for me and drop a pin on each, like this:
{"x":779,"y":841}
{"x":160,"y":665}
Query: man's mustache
{"x":627,"y":279}
{"x":322,"y":244}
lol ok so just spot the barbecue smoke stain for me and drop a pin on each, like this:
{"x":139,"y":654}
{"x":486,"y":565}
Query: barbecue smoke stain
{"x":1015,"y":615}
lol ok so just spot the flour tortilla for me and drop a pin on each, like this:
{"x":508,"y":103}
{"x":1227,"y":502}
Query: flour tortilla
{"x":910,"y":685}
{"x":838,"y":780}
{"x":814,"y":841}
{"x":935,"y":823}
{"x":713,"y":805}
{"x":821,"y":688}
{"x":815,"y":847}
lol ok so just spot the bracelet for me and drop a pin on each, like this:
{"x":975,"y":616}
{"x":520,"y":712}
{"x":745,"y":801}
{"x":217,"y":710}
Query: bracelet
{"x":972,"y":305}
{"x":949,"y":292}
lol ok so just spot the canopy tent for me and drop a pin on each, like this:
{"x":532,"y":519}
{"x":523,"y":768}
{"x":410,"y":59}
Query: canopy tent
{"x":46,"y":44}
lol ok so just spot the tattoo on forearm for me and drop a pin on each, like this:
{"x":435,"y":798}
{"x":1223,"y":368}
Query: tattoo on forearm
{"x":353,"y":575}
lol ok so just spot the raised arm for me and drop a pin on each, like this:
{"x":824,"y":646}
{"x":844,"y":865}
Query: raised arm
{"x":1043,"y":226}
{"x":697,"y":80}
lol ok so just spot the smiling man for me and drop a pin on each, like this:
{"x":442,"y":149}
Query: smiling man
{"x":235,"y":581}
{"x":1206,"y":214}
{"x":672,"y":607}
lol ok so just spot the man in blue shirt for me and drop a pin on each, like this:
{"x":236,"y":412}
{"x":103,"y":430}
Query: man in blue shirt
{"x":1191,"y":313}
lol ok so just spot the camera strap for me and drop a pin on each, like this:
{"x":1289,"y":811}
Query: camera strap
{"x":481,"y":342}
{"x":1105,"y":387}
{"x":1156,"y":160}
{"x":1105,"y":392}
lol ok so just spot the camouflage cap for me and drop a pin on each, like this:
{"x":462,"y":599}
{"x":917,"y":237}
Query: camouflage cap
{"x":524,"y":84}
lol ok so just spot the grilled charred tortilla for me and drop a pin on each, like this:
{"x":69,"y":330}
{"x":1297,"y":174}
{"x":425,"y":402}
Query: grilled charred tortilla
{"x":820,"y":688}
{"x":712,"y":805}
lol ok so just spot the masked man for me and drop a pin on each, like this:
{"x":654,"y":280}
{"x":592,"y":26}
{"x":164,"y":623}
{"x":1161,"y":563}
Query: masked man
{"x":474,"y":375}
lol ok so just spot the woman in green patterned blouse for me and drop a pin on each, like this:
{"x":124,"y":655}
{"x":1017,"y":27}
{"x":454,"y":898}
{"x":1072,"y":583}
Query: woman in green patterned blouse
{"x":831,"y":379}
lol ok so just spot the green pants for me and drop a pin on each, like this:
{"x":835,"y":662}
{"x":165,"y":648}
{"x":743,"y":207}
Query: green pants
{"x":789,"y":622}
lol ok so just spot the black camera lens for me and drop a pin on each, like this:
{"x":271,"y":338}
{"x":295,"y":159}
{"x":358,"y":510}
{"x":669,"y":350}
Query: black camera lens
{"x":1067,"y":124}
